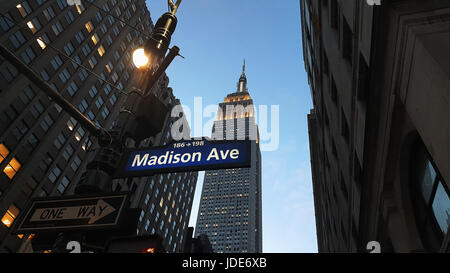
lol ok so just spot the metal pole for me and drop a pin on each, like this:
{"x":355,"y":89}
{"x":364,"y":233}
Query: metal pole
{"x":164,"y":65}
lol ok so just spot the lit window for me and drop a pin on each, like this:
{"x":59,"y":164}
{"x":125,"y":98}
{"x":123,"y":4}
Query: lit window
{"x":12,"y":168}
{"x":24,"y":9}
{"x":109,"y":67}
{"x":89,"y":26}
{"x":71,"y":123}
{"x":95,"y":38}
{"x":80,"y":8}
{"x":10,"y":215}
{"x":41,"y":43}
{"x":79,"y":134}
{"x":4,"y":152}
{"x":31,"y":27}
{"x":101,"y":50}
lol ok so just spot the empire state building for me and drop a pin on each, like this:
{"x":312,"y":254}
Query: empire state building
{"x":230,"y":206}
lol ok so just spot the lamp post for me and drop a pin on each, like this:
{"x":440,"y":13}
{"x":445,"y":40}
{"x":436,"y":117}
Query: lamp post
{"x":143,"y":114}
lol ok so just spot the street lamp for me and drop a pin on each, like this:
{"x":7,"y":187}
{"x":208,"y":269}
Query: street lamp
{"x":140,"y":59}
{"x":142,"y":114}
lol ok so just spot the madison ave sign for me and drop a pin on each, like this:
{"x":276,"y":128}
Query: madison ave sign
{"x":192,"y":155}
{"x":75,"y":212}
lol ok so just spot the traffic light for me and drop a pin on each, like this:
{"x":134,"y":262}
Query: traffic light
{"x":136,"y":244}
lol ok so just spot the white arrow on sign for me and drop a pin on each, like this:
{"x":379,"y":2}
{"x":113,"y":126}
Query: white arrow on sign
{"x":93,"y":212}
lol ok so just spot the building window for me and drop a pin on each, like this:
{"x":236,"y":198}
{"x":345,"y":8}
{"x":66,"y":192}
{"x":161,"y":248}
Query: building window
{"x":53,"y":176}
{"x":46,"y":123}
{"x":41,"y":43}
{"x":86,"y":144}
{"x":32,"y":143}
{"x":9,"y":73}
{"x":57,"y":28}
{"x":105,"y":112}
{"x":101,"y":50}
{"x":79,"y":134}
{"x":24,"y":8}
{"x":69,"y":49}
{"x":4,"y":152}
{"x":113,"y":99}
{"x":27,"y":95}
{"x":83,"y":106}
{"x":72,"y":88}
{"x":99,"y":102}
{"x":430,"y":197}
{"x":56,"y":62}
{"x":92,"y":61}
{"x":20,"y":130}
{"x":68,"y":152}
{"x":80,"y":8}
{"x":62,"y":4}
{"x":75,"y":163}
{"x":6,"y":22}
{"x":64,"y":76}
{"x":107,"y":89}
{"x":86,"y":50}
{"x":63,"y":185}
{"x":83,"y":74}
{"x":49,"y":13}
{"x":46,"y":162}
{"x":99,"y":17}
{"x":69,"y":17}
{"x":28,"y":55}
{"x":89,"y":26}
{"x":10,"y":215}
{"x":109,"y":67}
{"x":34,"y":25}
{"x":12,"y":168}
{"x":59,"y":141}
{"x":95,"y":38}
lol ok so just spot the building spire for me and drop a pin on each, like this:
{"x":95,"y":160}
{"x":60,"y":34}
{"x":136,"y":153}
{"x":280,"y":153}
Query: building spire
{"x":242,"y":84}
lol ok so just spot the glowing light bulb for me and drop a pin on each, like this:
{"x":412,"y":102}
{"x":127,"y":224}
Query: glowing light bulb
{"x":139,"y":58}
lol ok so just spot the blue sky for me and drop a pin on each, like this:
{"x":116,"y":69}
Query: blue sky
{"x":214,"y":37}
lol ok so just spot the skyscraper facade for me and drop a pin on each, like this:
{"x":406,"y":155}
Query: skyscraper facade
{"x":43,"y":150}
{"x":230,"y":205}
{"x":379,"y":129}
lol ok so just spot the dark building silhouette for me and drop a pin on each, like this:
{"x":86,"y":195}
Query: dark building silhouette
{"x":43,"y":150}
{"x":200,"y":244}
{"x":379,"y":130}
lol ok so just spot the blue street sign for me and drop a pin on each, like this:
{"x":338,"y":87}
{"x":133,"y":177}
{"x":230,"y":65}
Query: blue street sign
{"x":192,"y":155}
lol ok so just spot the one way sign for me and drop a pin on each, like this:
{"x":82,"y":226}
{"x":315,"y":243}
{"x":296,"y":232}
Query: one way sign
{"x":93,"y":213}
{"x":73,"y":212}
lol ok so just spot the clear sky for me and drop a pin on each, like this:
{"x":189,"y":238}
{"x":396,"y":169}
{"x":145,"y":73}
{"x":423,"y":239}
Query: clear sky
{"x":214,"y":37}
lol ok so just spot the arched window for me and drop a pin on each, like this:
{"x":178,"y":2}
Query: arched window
{"x":430,"y":197}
